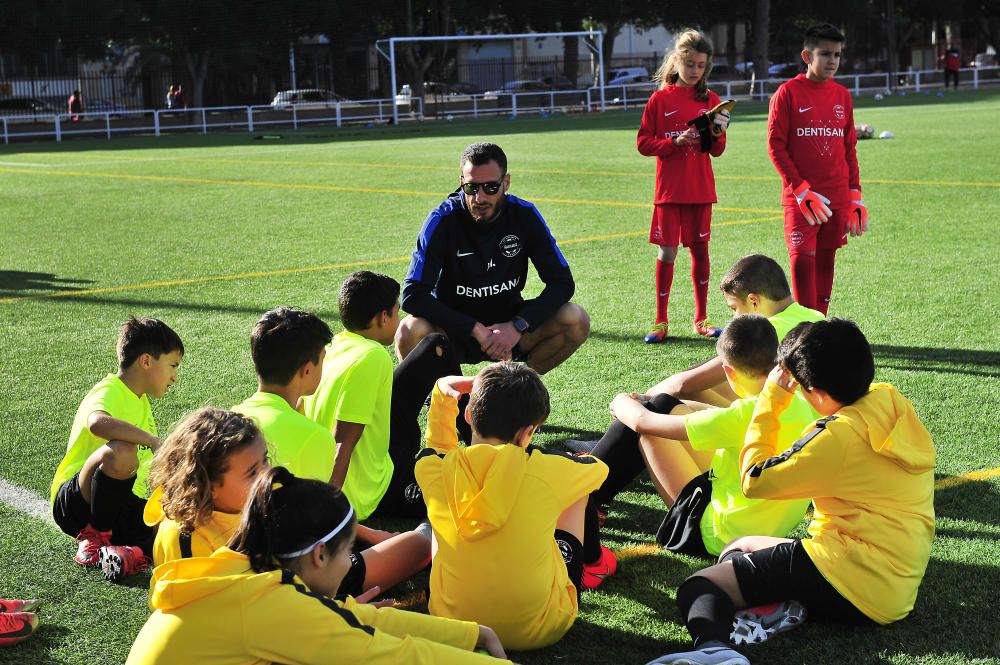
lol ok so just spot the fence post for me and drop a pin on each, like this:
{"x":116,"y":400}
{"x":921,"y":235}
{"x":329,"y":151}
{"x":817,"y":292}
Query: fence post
{"x":338,"y":114}
{"x":6,"y":138}
{"x":295,"y":117}
{"x":729,"y":89}
{"x":250,"y":120}
{"x":513,"y":104}
{"x":975,"y":78}
{"x":857,"y":85}
{"x":380,"y":119}
{"x":475,"y":107}
{"x":58,"y":130}
{"x":918,"y":82}
{"x":156,"y":123}
{"x":204,"y":124}
{"x":552,"y":102}
{"x":625,"y":98}
{"x":107,"y":124}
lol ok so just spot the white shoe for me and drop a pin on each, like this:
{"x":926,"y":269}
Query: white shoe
{"x":758,"y":624}
{"x":711,"y":653}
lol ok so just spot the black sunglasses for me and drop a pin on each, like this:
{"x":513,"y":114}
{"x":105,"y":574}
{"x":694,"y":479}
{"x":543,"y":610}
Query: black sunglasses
{"x":491,"y":188}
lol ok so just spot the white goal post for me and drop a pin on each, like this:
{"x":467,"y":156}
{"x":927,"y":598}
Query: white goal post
{"x":593,"y":39}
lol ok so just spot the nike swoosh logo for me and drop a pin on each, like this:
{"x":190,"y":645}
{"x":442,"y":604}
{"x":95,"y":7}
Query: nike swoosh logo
{"x":703,"y":282}
{"x":25,"y":629}
{"x":664,"y":295}
{"x":668,"y":114}
{"x":702,"y":235}
{"x":465,"y":254}
{"x":803,"y":110}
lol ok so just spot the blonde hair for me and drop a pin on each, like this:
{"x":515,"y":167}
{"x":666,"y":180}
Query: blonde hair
{"x":193,"y":458}
{"x":688,"y":42}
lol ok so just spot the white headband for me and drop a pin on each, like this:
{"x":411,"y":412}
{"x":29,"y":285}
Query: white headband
{"x":337,"y":529}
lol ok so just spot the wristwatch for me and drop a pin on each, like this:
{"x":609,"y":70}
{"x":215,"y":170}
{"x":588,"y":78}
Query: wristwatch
{"x":520,"y":325}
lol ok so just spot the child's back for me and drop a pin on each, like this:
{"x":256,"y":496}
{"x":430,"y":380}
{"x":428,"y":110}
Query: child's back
{"x":494,"y":509}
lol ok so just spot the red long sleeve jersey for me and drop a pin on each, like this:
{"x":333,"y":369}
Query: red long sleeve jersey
{"x":810,"y":136}
{"x":683,"y":173}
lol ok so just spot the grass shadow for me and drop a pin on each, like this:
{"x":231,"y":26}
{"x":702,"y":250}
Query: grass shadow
{"x":976,"y":501}
{"x":14,"y":282}
{"x":939,"y":361}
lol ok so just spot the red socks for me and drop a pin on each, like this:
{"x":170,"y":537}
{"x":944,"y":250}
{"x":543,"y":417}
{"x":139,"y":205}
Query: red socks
{"x":664,"y":278}
{"x":700,"y":269}
{"x":804,"y":279}
{"x":824,"y":278}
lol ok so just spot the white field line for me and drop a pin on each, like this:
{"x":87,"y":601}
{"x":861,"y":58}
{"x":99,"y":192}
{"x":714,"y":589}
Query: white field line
{"x":38,"y":164}
{"x":27,"y":502}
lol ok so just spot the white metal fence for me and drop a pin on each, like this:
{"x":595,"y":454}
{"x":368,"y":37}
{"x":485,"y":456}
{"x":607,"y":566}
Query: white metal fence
{"x":263,"y":118}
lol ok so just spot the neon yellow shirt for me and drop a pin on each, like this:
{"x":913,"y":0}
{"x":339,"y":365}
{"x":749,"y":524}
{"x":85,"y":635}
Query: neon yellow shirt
{"x":792,"y":316}
{"x":869,"y":469}
{"x":357,"y":388}
{"x":216,"y":611}
{"x":293,"y":441}
{"x":730,"y":514}
{"x":494,"y":511}
{"x":114,"y":398}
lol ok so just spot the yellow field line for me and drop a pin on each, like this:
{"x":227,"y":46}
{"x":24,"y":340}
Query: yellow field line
{"x":971,"y":477}
{"x":332,"y":188}
{"x":573,"y":172}
{"x":292,"y":271}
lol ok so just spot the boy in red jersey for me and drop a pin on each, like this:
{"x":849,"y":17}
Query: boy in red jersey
{"x":685,"y":183}
{"x":811,"y":140}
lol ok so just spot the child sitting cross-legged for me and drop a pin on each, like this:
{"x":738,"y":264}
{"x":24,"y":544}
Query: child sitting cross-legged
{"x":270,"y":597}
{"x":203,"y":474}
{"x":867,"y":464}
{"x":692,"y":451}
{"x":513,"y":524}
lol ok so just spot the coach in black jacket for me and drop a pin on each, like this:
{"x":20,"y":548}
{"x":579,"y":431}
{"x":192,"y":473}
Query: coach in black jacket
{"x":471,"y":264}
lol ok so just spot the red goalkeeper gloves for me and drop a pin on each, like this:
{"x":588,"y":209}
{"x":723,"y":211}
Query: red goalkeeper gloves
{"x":814,"y":206}
{"x":857,"y":220}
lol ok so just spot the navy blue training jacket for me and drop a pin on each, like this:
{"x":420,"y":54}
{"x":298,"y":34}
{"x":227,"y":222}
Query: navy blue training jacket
{"x":463,"y":271}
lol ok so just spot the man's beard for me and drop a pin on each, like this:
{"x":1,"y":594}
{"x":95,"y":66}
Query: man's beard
{"x":497,"y":209}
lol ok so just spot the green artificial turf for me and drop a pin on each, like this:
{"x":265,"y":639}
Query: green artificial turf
{"x":296,"y":214}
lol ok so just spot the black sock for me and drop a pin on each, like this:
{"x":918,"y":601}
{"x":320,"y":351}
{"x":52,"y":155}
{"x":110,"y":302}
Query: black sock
{"x":619,"y":449}
{"x":107,"y":496}
{"x":706,"y":609}
{"x":464,"y":429}
{"x":591,"y":532}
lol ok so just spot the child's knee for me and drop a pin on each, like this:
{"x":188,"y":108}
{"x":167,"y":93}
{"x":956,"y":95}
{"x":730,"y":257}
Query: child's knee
{"x":119,"y":459}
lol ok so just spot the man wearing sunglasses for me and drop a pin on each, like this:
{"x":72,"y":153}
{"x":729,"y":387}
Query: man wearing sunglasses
{"x":471,"y":264}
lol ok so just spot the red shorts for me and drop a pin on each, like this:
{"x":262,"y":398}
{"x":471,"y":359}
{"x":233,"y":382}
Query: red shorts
{"x":690,"y":222}
{"x":800,"y":236}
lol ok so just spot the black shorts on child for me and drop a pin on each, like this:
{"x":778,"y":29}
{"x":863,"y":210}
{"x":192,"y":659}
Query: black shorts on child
{"x":72,"y":513}
{"x":680,"y":531}
{"x":785,"y":572}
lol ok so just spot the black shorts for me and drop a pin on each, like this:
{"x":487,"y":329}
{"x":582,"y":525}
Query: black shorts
{"x":71,"y":513}
{"x":785,"y":572}
{"x":680,"y":530}
{"x":572,"y":553}
{"x":354,"y":581}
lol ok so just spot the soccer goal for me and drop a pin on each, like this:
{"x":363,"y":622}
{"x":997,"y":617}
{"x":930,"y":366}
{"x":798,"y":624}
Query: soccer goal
{"x":503,"y":73}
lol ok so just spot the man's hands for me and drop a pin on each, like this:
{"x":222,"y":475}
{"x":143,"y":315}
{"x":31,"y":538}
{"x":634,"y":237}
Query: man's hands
{"x":814,"y":206}
{"x":497,"y":340}
{"x":857,"y":219}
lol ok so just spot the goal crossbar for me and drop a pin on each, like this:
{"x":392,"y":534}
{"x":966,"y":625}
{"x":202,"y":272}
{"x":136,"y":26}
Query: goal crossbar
{"x":595,"y":48}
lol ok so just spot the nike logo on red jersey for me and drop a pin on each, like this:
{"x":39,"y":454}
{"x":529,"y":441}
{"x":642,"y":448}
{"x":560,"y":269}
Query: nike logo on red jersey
{"x":803,"y":110}
{"x":667,"y":114}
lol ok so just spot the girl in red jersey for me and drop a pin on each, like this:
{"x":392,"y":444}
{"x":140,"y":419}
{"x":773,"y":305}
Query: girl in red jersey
{"x":685,"y":184}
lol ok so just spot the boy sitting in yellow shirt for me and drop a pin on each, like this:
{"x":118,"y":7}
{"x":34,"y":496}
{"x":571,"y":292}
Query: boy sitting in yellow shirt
{"x":867,"y":464}
{"x":692,"y":453}
{"x":508,"y":517}
{"x":99,"y":490}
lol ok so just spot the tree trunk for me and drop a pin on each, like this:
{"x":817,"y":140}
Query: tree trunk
{"x":761,"y":33}
{"x":197,"y":66}
{"x":890,"y":24}
{"x":571,"y":57}
{"x":731,"y":44}
{"x":611,"y":30}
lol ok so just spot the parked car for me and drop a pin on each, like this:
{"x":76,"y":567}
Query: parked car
{"x":627,"y":75}
{"x":521,"y":85}
{"x":558,"y":82}
{"x":27,"y":106}
{"x":309,"y":96}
